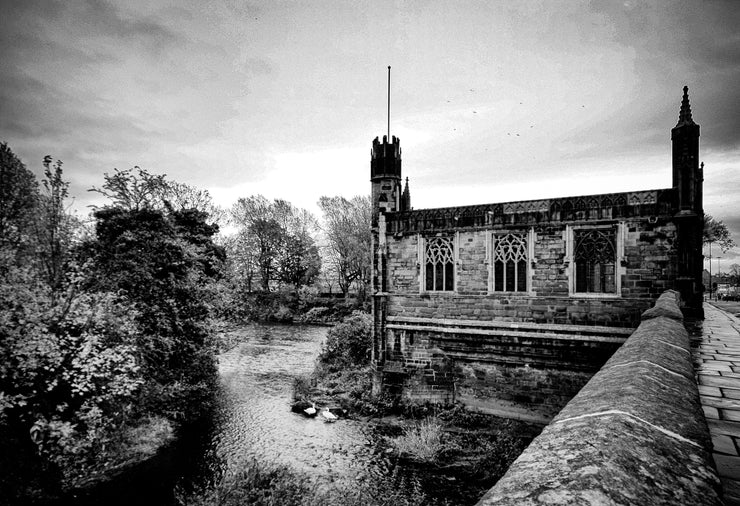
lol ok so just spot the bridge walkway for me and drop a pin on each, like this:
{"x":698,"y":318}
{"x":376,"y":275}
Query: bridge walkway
{"x":716,"y":349}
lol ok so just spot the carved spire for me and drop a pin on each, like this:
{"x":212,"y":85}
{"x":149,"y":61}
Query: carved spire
{"x":684,"y":116}
{"x":406,"y":198}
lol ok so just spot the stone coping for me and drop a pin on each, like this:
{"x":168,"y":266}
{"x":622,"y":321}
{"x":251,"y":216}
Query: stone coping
{"x":508,"y":332}
{"x":537,"y":327}
{"x":635,"y":434}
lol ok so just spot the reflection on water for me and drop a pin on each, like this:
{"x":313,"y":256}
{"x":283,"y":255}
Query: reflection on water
{"x":253,"y":421}
{"x":256,"y":421}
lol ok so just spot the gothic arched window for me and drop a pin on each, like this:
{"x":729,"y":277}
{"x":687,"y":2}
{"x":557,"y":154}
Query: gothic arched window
{"x":595,"y":259}
{"x":439,"y":264}
{"x":510,"y":257}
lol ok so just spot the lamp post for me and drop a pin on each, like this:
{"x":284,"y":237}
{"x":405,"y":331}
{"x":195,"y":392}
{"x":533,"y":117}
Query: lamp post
{"x":719,"y":276}
{"x":710,"y":271}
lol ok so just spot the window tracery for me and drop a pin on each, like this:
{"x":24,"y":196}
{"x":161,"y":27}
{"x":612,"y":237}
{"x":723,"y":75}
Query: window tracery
{"x":595,"y":260}
{"x":510,"y":255}
{"x":440,"y":264}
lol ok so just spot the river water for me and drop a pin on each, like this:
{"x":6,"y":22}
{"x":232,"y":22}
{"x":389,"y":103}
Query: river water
{"x":254,"y":422}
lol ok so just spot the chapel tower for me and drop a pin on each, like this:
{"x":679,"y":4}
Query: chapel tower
{"x":385,"y":175}
{"x":688,"y":181}
{"x":687,"y":175}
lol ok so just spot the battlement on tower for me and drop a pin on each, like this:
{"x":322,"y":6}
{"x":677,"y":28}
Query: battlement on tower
{"x":385,"y":158}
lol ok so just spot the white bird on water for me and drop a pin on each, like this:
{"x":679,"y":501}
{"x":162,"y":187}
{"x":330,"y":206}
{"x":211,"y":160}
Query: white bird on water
{"x":311,"y":411}
{"x":328,"y":415}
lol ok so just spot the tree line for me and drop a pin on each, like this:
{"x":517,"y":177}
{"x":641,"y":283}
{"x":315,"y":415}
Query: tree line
{"x":107,"y":323}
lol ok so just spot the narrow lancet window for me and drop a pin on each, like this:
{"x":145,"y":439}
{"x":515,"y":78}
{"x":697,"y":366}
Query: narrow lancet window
{"x":440,"y":265}
{"x":510,"y":255}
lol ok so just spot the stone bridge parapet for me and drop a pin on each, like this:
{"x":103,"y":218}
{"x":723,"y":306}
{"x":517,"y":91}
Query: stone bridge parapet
{"x":635,"y":434}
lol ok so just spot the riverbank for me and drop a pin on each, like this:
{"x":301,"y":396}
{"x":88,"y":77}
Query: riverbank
{"x":305,"y":306}
{"x":131,"y":447}
{"x":29,"y":477}
{"x":449,"y":442}
{"x":256,"y":452}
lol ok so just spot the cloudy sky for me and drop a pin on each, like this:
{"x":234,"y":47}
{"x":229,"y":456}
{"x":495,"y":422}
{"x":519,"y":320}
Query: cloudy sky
{"x":493,"y":101}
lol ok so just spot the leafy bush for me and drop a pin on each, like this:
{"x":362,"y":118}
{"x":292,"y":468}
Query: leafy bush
{"x":316,"y":314}
{"x":349,"y":343}
{"x":69,"y":367}
{"x":165,"y":262}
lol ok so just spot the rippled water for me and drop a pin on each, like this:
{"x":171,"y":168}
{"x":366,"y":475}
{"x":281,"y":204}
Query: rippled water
{"x":254,"y":421}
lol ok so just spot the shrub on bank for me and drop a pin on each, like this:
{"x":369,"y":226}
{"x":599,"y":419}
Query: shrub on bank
{"x":348,"y":344}
{"x":238,"y":305}
{"x":265,"y":485}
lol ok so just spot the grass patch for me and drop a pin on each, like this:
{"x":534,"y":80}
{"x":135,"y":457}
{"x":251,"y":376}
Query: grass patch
{"x":253,"y":484}
{"x":260,"y":485}
{"x":422,"y":442}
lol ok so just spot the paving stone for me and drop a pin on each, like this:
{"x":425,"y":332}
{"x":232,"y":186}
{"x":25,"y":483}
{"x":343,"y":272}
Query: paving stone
{"x":710,"y":391}
{"x":724,"y":444}
{"x":717,"y":367}
{"x":730,"y":393}
{"x":727,"y":465}
{"x":719,"y":402}
{"x":726,"y":427}
{"x":710,"y":412}
{"x":718,"y":381}
{"x":714,"y":366}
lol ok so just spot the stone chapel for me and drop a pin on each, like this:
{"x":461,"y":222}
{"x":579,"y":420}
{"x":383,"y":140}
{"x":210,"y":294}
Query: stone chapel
{"x":466,"y":298}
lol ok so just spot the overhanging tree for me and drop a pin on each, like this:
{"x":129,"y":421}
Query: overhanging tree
{"x":165,"y":261}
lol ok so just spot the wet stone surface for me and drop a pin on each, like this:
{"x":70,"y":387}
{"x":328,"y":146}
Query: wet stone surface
{"x":716,"y":355}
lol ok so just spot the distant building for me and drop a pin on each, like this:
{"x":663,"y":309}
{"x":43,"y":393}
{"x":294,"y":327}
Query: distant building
{"x":446,"y":279}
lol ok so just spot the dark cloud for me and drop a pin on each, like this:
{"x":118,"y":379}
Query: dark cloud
{"x":87,"y":22}
{"x":686,"y":43}
{"x":102,"y":18}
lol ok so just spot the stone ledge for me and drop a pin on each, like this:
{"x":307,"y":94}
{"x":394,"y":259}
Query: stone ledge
{"x":538,"y":327}
{"x":635,"y":434}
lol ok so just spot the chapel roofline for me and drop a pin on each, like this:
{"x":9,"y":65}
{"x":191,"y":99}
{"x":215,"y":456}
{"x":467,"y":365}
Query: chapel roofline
{"x":550,"y":200}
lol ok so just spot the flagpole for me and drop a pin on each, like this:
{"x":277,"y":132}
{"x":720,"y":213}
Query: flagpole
{"x":389,"y":103}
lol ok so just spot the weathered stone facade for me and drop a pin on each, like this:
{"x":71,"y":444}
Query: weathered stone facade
{"x":519,"y":303}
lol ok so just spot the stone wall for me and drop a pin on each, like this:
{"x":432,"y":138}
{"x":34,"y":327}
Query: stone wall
{"x":531,"y":371}
{"x":635,"y":434}
{"x":518,"y":370}
{"x":646,"y":269}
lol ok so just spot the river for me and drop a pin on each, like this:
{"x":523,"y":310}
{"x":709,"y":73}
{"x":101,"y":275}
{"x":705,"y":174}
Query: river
{"x":254,"y":422}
